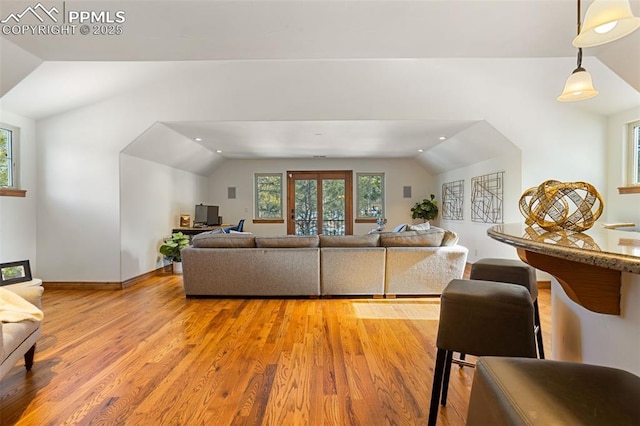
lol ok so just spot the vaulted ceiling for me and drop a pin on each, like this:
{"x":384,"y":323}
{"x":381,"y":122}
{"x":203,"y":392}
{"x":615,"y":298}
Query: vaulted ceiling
{"x":162,"y":38}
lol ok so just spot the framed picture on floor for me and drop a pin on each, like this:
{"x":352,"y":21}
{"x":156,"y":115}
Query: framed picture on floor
{"x":15,"y":272}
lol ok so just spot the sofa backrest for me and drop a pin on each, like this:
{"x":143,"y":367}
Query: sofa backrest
{"x":288,"y":241}
{"x":434,"y":237}
{"x":366,"y":240}
{"x":428,"y":238}
{"x":220,"y":240}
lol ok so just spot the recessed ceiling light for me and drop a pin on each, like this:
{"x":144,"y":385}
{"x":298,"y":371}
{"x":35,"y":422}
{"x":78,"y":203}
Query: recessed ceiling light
{"x":421,"y":150}
{"x":442,"y":138}
{"x":219,"y":151}
{"x":197,"y":139}
{"x":319,"y":156}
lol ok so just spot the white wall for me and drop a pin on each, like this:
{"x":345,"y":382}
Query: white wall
{"x":152,"y":197}
{"x":79,"y":151}
{"x":579,"y":335}
{"x":18,"y":214}
{"x":240,"y":174}
{"x":626,"y":207}
{"x":473,"y":235}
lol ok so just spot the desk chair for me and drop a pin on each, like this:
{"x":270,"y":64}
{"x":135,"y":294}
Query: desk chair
{"x":238,"y":227}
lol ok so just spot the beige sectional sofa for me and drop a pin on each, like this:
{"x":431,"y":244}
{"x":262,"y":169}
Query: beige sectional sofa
{"x":405,"y":263}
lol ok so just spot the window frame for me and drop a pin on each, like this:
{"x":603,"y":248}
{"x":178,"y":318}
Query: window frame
{"x":634,"y":146}
{"x":13,"y":190}
{"x":633,"y":169}
{"x":363,"y":219}
{"x":256,"y":212}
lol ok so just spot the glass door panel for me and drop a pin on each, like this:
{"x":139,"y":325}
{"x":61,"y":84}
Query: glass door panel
{"x":306,"y":207}
{"x":333,"y":207}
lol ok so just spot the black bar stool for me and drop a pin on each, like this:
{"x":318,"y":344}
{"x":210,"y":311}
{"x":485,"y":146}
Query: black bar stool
{"x":480,"y":318}
{"x":518,"y":391}
{"x":512,"y":272}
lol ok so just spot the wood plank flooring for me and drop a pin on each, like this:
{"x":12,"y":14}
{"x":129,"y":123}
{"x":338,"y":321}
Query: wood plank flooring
{"x":145,"y":355}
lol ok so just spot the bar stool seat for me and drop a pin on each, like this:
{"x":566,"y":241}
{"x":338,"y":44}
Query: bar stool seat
{"x":512,"y":271}
{"x":480,"y":318}
{"x":519,"y":391}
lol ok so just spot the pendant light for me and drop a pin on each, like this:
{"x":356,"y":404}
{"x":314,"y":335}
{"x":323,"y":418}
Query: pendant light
{"x":605,"y":21}
{"x":579,"y":85}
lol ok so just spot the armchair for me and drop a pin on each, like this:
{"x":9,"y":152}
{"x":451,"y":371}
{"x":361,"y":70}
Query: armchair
{"x":18,"y":339}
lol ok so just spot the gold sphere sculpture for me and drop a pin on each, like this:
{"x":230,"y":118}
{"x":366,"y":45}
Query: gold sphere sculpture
{"x":555,"y":205}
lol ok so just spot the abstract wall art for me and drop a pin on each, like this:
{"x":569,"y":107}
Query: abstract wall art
{"x":453,"y":200}
{"x":487,"y":193}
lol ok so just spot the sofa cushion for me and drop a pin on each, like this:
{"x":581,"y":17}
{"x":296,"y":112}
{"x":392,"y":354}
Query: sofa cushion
{"x":220,"y":240}
{"x":419,"y":227}
{"x":430,"y":238}
{"x":288,"y":241}
{"x":367,"y":240}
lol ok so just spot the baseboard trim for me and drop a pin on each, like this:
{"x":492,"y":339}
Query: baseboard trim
{"x":102,"y":285}
{"x":80,"y":285}
{"x":135,"y":280}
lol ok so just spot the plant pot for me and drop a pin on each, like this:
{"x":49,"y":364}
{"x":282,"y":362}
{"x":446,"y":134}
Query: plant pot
{"x":177,"y":267}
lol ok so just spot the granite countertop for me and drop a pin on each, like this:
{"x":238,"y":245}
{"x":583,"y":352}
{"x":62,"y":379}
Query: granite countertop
{"x":607,"y":248}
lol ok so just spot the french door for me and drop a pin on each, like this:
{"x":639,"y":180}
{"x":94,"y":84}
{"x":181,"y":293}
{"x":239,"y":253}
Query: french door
{"x":320,"y":202}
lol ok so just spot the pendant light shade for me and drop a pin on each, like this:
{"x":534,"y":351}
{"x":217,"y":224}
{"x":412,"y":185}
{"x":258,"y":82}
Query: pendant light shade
{"x":578,"y":87}
{"x":605,"y":21}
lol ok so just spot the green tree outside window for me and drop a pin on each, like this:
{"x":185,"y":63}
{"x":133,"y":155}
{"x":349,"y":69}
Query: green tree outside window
{"x":268,"y":196}
{"x":6,"y":178}
{"x":370,"y":195}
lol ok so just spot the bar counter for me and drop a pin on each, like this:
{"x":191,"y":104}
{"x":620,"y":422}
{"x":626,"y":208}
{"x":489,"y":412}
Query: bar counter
{"x":595,"y":290}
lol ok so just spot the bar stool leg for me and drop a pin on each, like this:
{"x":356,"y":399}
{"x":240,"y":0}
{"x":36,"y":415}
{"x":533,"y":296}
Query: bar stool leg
{"x":462,"y":358}
{"x":438,"y":372}
{"x":536,"y":321}
{"x":445,"y":380}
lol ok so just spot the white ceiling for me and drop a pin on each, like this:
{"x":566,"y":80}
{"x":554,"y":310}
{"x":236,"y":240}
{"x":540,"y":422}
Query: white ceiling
{"x":332,"y":138}
{"x":162,"y":38}
{"x":166,"y":30}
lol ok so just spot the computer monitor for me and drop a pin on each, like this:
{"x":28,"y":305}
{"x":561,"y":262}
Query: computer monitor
{"x":207,"y":215}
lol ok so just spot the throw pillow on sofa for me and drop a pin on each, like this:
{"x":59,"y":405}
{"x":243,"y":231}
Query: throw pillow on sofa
{"x":419,"y":227}
{"x":450,"y":238}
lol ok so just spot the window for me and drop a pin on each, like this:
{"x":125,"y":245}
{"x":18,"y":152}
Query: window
{"x":370,"y":196}
{"x":633,"y":166}
{"x":268,"y":196}
{"x":9,"y":142}
{"x":634,"y":142}
{"x":6,"y":158}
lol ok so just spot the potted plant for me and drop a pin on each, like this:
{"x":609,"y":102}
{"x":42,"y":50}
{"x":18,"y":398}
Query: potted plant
{"x":171,"y":247}
{"x":425,"y":210}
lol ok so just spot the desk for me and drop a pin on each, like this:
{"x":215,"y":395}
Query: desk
{"x":195,"y":231}
{"x":595,"y":290}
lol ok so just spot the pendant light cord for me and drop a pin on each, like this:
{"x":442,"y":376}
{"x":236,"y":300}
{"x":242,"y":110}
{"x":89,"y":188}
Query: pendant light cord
{"x":579,"y":68}
{"x":579,"y":17}
{"x":579,"y":61}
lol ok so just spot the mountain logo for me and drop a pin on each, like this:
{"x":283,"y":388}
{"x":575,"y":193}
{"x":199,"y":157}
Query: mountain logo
{"x":39,"y":11}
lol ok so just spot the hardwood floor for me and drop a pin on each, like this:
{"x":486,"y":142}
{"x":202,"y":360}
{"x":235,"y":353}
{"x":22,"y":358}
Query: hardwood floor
{"x":145,"y":355}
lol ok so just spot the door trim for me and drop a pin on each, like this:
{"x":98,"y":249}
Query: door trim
{"x":319,"y":175}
